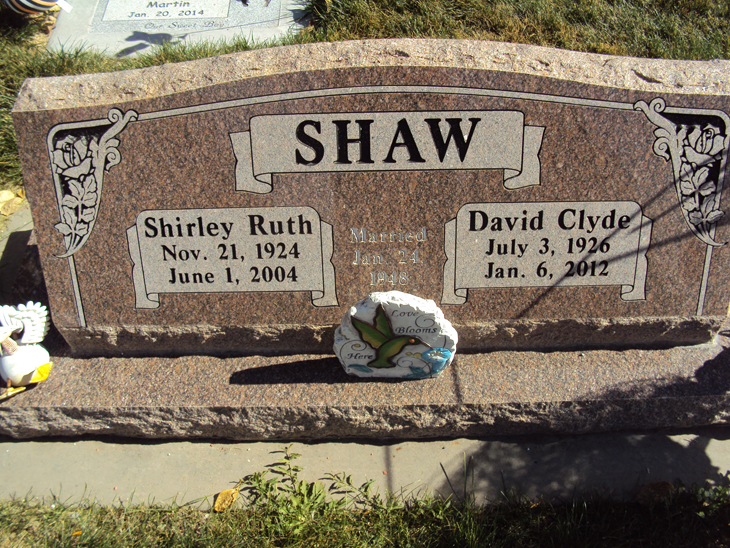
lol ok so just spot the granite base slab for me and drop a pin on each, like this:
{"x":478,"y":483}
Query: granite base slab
{"x":309,"y":397}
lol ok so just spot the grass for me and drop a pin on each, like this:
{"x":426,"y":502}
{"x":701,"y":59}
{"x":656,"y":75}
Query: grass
{"x":675,"y":29}
{"x":279,"y":509}
{"x":683,"y":29}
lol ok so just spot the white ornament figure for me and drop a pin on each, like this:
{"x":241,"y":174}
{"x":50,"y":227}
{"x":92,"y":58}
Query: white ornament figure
{"x":24,"y":361}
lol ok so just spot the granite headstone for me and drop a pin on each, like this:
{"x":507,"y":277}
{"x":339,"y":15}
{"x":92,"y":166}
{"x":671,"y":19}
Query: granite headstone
{"x":242,"y":204}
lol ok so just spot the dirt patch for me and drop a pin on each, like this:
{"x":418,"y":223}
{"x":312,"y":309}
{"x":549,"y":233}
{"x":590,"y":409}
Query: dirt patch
{"x":48,"y":21}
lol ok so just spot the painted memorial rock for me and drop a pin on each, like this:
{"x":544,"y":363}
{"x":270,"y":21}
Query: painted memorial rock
{"x":395,"y":335}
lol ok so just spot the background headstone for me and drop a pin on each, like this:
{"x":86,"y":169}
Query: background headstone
{"x":246,"y":211}
{"x":127,"y":27}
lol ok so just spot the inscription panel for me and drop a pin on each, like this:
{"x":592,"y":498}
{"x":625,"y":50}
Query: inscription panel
{"x":127,"y":10}
{"x":388,"y":141}
{"x":547,"y":244}
{"x":390,"y":257}
{"x":231,"y":250}
{"x":151,"y":21}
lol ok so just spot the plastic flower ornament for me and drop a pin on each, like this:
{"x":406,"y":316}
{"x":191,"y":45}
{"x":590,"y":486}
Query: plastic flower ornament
{"x":438,"y":358}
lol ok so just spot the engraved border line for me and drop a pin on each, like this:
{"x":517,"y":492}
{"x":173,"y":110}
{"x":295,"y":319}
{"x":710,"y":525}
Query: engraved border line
{"x":372,"y":90}
{"x":445,"y":90}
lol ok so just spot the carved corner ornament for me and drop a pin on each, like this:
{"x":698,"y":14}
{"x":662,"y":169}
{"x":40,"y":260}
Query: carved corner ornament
{"x":80,"y":154}
{"x":79,"y":158}
{"x":696,"y":142}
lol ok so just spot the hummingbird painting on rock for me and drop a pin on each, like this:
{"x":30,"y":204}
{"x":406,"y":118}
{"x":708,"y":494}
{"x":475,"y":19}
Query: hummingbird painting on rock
{"x":380,"y":336}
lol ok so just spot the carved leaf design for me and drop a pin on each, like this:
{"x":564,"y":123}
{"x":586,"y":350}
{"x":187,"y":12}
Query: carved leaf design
{"x":63,"y":228}
{"x":70,"y":201}
{"x":69,"y":215}
{"x":87,"y":216}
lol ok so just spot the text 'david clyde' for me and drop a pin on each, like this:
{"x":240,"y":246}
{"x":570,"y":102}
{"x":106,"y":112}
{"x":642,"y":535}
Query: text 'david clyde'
{"x":547,"y":244}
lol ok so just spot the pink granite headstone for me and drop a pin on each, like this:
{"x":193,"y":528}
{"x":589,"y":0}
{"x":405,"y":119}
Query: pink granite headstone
{"x":242,"y":204}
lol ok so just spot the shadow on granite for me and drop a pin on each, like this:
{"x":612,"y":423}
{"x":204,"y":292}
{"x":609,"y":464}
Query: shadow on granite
{"x":711,"y":378}
{"x":551,"y":466}
{"x":323,"y":370}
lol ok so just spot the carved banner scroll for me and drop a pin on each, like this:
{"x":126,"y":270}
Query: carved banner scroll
{"x":387,"y":141}
{"x":231,"y":250}
{"x":497,"y":245}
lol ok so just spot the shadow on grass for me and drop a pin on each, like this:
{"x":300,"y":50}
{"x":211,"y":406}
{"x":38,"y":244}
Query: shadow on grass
{"x":145,"y":40}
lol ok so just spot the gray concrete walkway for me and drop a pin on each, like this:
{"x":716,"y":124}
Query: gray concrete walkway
{"x":555,"y":468}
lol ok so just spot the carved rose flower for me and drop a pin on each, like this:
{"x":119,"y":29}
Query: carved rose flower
{"x":703,"y":145}
{"x":72,"y":156}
